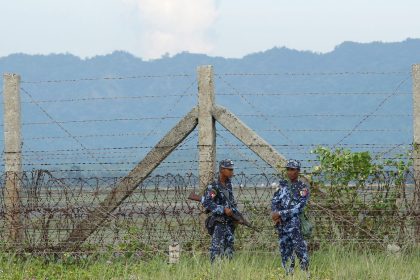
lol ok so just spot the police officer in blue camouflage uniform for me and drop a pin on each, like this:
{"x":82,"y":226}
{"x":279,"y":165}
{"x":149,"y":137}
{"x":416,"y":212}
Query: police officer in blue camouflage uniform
{"x":287,"y":204}
{"x":218,"y":199}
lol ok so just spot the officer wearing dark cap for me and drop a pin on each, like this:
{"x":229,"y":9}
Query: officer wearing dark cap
{"x":218,"y":199}
{"x":287,"y":205}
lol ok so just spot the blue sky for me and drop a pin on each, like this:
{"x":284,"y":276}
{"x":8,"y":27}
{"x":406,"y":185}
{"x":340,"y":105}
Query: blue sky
{"x":229,"y":28}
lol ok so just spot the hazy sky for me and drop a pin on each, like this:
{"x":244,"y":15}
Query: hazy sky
{"x":229,"y":28}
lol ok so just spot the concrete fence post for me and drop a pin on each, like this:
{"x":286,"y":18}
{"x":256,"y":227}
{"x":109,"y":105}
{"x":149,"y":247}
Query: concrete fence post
{"x":206,"y":132}
{"x":12,"y":157}
{"x":206,"y":126}
{"x":416,"y":146}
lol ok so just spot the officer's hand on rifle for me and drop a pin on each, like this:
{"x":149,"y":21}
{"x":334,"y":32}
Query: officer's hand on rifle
{"x":228,"y":212}
{"x":275,"y":216}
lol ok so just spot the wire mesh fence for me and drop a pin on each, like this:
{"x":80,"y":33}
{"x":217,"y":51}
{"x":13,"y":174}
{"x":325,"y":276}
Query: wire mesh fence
{"x":81,"y":136}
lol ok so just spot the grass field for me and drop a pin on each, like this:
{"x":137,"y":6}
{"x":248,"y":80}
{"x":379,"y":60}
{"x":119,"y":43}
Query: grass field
{"x":328,"y":263}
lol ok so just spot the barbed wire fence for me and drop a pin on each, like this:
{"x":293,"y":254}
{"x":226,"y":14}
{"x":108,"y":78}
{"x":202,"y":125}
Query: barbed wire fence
{"x":80,"y":141}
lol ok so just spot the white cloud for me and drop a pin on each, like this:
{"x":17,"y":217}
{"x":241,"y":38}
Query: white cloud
{"x":172,"y":26}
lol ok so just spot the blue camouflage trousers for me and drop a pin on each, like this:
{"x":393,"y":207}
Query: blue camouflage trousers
{"x":222,"y":241}
{"x":292,"y":242}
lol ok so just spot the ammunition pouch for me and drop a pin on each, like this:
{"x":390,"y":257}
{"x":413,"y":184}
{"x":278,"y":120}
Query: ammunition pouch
{"x":211,"y":222}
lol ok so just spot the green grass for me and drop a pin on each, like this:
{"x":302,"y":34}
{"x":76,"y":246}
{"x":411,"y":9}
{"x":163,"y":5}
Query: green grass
{"x":328,"y":263}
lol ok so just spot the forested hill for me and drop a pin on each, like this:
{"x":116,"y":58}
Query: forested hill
{"x":355,"y":94}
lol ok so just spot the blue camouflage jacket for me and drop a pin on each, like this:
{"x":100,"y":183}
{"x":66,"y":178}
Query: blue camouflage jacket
{"x":217,"y":197}
{"x":289,"y":200}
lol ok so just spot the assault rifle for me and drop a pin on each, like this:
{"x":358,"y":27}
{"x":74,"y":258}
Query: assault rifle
{"x":236,"y":217}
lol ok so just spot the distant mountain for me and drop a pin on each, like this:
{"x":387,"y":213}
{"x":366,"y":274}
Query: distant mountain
{"x":292,"y":98}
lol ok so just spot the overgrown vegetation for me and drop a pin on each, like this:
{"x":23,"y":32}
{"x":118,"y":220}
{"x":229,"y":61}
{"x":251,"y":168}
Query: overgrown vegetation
{"x":372,"y":196}
{"x":327,"y":263}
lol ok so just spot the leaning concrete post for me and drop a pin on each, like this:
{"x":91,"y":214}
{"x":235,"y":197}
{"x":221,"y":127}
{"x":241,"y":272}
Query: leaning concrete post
{"x":206,"y":126}
{"x":247,"y":136}
{"x":126,"y":186}
{"x":416,"y":146}
{"x":12,"y":156}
